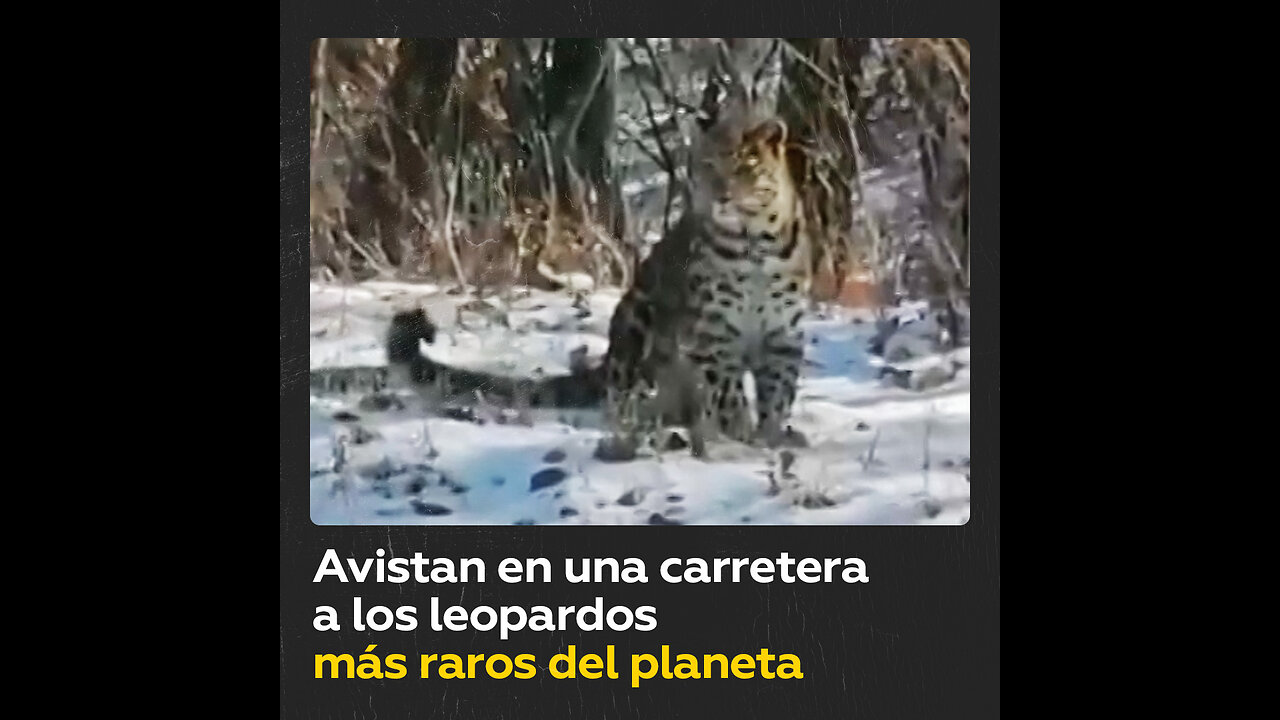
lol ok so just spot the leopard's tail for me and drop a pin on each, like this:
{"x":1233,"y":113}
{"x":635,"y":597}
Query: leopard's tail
{"x":583,"y":388}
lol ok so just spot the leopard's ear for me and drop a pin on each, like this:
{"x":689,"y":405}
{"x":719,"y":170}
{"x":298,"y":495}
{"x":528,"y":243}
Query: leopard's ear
{"x":771,"y":132}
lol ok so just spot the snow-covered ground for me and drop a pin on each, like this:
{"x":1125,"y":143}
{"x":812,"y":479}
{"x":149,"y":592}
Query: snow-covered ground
{"x":876,"y":455}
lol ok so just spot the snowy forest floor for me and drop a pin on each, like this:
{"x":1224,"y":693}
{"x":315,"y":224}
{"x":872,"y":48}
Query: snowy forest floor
{"x":876,"y":454}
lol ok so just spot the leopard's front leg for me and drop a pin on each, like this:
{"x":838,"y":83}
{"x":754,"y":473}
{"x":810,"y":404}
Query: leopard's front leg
{"x":719,"y":368}
{"x":777,"y":376}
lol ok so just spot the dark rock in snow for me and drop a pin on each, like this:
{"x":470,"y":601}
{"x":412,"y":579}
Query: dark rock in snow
{"x":380,"y":402}
{"x":675,"y":441}
{"x":425,"y":508}
{"x":896,"y":377}
{"x":786,"y":458}
{"x":612,"y":449}
{"x":931,"y":377}
{"x":813,"y":501}
{"x":631,"y":498}
{"x":345,"y":416}
{"x":546,"y":478}
{"x":793,"y":438}
{"x":659,"y":519}
{"x":906,"y":346}
{"x":463,"y":414}
{"x":378,"y":471}
{"x":931,"y":507}
{"x":554,"y":456}
{"x":567,"y":512}
{"x":361,"y":436}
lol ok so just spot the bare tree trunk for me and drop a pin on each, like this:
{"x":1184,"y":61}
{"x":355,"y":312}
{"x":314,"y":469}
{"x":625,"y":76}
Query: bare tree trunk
{"x":559,"y":97}
{"x":420,"y":88}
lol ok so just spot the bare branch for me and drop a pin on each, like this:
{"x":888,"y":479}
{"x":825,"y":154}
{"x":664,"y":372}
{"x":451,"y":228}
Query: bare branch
{"x":669,"y":163}
{"x":668,"y":94}
{"x":639,"y":142}
{"x":795,"y":54}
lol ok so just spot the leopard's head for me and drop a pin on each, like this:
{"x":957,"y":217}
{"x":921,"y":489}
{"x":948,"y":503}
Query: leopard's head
{"x":749,"y":185}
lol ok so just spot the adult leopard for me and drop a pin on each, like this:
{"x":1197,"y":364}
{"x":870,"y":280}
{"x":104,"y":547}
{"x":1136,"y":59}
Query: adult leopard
{"x":723,"y":294}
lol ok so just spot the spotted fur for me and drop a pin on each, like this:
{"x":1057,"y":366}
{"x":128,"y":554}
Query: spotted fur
{"x":721,"y":296}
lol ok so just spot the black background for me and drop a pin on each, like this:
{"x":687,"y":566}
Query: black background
{"x":920,"y":640}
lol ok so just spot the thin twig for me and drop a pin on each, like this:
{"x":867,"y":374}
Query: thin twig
{"x":639,"y":142}
{"x":928,"y":426}
{"x":448,"y":213}
{"x":668,"y":95}
{"x":669,"y":163}
{"x":376,"y":264}
{"x":871,"y":452}
{"x":859,"y":161}
{"x":764,"y":64}
{"x":321,"y":81}
{"x":797,"y":55}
